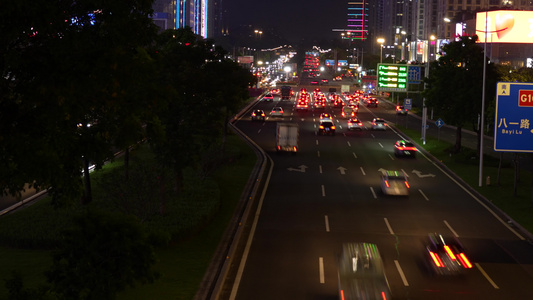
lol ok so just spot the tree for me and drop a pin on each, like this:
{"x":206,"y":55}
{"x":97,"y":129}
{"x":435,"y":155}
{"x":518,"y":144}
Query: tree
{"x":100,"y":255}
{"x":201,"y":88}
{"x":455,"y":85}
{"x":68,"y":89}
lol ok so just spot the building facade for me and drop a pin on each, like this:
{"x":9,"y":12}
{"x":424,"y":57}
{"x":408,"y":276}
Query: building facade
{"x":204,"y":17}
{"x":414,"y":30}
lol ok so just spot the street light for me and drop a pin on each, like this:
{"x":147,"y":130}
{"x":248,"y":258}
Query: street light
{"x":381,"y":41}
{"x":402,"y":51}
{"x":287,"y":69}
{"x":424,"y":107}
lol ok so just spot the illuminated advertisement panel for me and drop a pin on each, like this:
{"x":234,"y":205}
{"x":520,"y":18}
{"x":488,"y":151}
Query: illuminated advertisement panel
{"x":342,"y":63}
{"x":392,"y":77}
{"x":505,"y":26}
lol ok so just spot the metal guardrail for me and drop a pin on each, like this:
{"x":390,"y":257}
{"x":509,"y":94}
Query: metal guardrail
{"x":214,"y":279}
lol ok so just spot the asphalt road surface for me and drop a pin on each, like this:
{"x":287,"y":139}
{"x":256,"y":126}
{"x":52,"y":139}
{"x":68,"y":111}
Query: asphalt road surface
{"x":329,"y":194}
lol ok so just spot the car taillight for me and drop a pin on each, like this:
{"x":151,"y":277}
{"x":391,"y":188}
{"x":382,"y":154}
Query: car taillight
{"x":262,"y":115}
{"x":464,"y":261}
{"x":360,"y":124}
{"x":407,"y":184}
{"x":321,"y":126}
{"x":386,"y":183}
{"x":449,"y":251}
{"x":333,"y":127}
{"x":436,"y":259}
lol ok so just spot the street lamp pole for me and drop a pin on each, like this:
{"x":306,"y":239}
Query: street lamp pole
{"x":483,"y":106}
{"x":424,"y":107}
{"x":381,"y":41}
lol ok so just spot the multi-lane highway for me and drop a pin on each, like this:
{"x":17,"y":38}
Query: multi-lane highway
{"x":329,"y":194}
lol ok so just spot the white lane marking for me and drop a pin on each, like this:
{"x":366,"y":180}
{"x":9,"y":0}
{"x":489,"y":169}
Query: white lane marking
{"x":244,"y":257}
{"x":391,"y":157}
{"x":326,"y":219}
{"x":451,"y":229}
{"x":320,"y":169}
{"x":380,"y":145}
{"x":373,"y":193}
{"x":362,"y":171}
{"x":475,"y":198}
{"x":318,"y":153}
{"x":494,"y":285}
{"x":323,"y":191}
{"x":259,"y":131}
{"x":316,"y":141}
{"x":349,"y":145}
{"x":321,"y":269}
{"x":401,"y":273}
{"x":405,"y":173}
{"x":423,"y":195}
{"x":372,"y":135}
{"x":355,"y":156}
{"x":388,"y":226}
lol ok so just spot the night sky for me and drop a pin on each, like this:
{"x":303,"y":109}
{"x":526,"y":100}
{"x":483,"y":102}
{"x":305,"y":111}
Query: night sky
{"x":294,"y":19}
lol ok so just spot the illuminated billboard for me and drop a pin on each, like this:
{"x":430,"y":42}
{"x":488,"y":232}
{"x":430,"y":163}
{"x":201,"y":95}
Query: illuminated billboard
{"x":392,"y":77}
{"x":505,"y":26}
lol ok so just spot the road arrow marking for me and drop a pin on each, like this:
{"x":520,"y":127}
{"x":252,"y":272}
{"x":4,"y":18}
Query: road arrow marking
{"x":420,"y":175}
{"x":301,"y":169}
{"x":342,"y":170}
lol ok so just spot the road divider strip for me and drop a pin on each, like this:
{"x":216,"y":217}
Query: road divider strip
{"x":321,"y":269}
{"x":494,"y":285}
{"x":451,"y":229}
{"x":388,"y":226}
{"x":423,"y":195}
{"x":373,"y":193}
{"x":400,"y":271}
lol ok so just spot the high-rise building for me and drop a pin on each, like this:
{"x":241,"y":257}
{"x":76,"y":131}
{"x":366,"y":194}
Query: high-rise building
{"x":204,"y":17}
{"x":357,"y":20}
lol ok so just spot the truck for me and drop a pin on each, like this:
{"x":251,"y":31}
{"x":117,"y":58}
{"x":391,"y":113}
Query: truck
{"x":287,"y":135}
{"x":285,"y":92}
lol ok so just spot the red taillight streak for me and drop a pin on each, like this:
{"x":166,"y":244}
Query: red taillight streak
{"x":383,"y":295}
{"x":407,"y":148}
{"x":449,"y":251}
{"x":436,"y":259}
{"x":386,"y":183}
{"x":407,"y":184}
{"x":342,"y":294}
{"x":466,"y":263}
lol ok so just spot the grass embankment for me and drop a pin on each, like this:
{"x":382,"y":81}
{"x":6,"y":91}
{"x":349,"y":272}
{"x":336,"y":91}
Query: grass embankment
{"x":195,"y":219}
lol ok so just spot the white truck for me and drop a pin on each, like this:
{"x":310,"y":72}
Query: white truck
{"x":287,"y":135}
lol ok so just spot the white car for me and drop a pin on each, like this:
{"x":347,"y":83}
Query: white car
{"x":379,"y":124}
{"x":276,"y":112}
{"x":394,"y":183}
{"x":355,"y":124}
